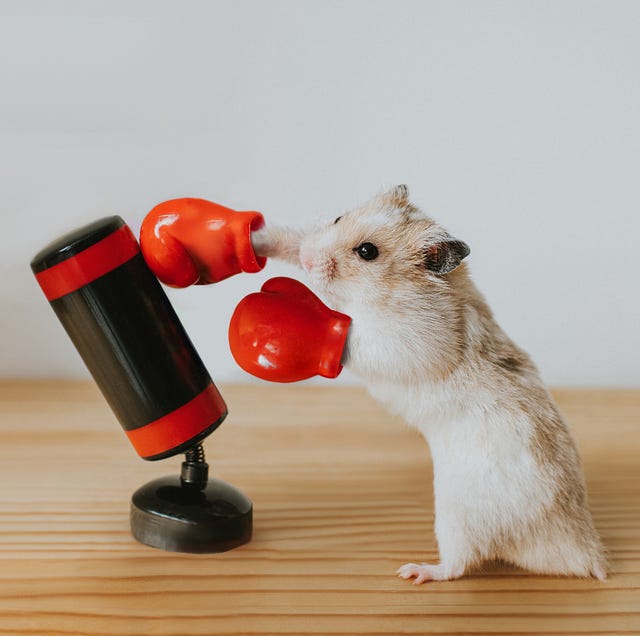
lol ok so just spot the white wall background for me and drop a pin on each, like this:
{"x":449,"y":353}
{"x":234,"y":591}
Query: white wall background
{"x":516,"y":124}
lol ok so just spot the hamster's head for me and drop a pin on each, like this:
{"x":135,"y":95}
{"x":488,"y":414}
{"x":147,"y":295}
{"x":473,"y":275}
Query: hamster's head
{"x":393,"y":270}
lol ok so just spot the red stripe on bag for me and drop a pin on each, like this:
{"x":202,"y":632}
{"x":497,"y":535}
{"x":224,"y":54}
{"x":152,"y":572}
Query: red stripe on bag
{"x":90,"y":264}
{"x":179,"y":426}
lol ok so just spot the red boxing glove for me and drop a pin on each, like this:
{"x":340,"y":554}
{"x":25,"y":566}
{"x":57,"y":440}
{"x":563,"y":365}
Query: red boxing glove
{"x":187,"y":241}
{"x":285,"y":333}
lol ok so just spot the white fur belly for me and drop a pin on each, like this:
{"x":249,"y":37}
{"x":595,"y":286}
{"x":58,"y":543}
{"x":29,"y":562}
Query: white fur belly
{"x":486,"y":480}
{"x":487,"y":484}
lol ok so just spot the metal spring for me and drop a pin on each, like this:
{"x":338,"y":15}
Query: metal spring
{"x":195,"y":455}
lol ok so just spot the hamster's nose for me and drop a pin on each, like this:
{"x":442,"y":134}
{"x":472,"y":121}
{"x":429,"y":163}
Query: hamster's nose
{"x":306,"y":258}
{"x":307,"y":262}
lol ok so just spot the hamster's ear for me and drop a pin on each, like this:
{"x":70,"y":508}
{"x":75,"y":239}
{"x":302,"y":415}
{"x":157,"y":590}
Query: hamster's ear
{"x":398,"y":195}
{"x":445,"y":255}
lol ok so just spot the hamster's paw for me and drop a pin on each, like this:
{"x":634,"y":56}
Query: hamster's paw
{"x":425,"y":572}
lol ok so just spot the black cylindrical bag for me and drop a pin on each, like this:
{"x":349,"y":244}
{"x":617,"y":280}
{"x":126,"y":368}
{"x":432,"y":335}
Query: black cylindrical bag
{"x":122,"y":324}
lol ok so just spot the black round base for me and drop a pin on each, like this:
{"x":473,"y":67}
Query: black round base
{"x":168,"y":514}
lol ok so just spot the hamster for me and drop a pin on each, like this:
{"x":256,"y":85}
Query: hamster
{"x":507,"y":476}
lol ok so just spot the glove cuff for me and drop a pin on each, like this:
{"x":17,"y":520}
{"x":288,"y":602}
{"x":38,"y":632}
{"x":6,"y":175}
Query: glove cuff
{"x":330,"y":364}
{"x":243,"y":224}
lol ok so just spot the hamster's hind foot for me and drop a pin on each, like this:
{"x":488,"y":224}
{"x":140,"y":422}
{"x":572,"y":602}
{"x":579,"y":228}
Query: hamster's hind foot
{"x":425,"y":572}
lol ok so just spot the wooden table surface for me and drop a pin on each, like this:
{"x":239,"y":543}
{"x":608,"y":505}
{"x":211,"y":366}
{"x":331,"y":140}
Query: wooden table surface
{"x":342,"y":496}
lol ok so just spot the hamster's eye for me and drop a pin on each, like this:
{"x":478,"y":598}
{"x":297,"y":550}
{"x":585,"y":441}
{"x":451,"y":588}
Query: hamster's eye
{"x":337,"y":220}
{"x":366,"y":251}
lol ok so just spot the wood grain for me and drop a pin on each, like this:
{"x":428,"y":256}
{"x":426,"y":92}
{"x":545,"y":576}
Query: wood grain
{"x":342,"y":497}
